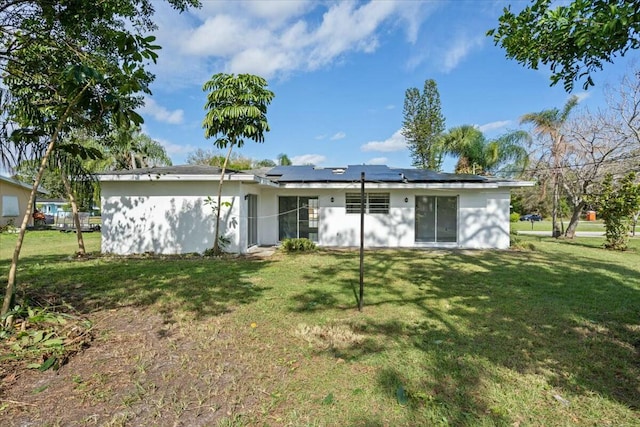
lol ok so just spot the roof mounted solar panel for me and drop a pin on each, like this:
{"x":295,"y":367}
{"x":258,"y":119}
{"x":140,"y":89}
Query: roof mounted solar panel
{"x":373,"y":173}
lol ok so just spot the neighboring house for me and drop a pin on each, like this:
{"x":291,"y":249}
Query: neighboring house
{"x":14,"y":198}
{"x":51,"y":206}
{"x":165,"y":209}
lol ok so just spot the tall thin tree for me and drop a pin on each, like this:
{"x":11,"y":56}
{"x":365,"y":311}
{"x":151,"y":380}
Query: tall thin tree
{"x":550,"y":123}
{"x":236,"y":110}
{"x":423,"y":124}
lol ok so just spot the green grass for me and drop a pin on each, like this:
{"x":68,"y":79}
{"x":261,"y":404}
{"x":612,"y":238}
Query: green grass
{"x":546,"y":226}
{"x":548,"y":337}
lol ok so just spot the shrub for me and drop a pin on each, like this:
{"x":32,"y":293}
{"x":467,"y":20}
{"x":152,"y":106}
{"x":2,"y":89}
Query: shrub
{"x":514,"y":217}
{"x":298,"y":245}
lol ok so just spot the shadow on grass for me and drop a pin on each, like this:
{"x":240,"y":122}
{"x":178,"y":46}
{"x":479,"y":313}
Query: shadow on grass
{"x":197,"y":286}
{"x":570,"y":318}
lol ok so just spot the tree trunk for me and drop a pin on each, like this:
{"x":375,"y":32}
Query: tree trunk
{"x":11,"y":280}
{"x":575,"y":219}
{"x":556,"y":232}
{"x":74,"y":213}
{"x":216,"y":243}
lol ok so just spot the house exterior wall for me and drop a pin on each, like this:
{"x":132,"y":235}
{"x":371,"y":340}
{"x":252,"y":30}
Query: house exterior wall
{"x":483,"y":218}
{"x":171,"y":217}
{"x":9,"y":193}
{"x":166,"y":217}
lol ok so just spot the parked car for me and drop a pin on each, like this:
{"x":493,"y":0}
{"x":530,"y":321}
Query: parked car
{"x":531,"y":217}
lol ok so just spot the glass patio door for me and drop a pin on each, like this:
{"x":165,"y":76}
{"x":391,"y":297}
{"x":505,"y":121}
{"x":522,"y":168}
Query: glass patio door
{"x":252,"y":219}
{"x":298,"y":217}
{"x":436,"y":219}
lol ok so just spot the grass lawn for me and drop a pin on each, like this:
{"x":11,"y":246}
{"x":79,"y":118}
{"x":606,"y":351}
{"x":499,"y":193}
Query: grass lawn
{"x":546,"y":226}
{"x":547,"y":337}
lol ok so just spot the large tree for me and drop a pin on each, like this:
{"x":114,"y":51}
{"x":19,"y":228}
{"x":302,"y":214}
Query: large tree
{"x":217,"y":159}
{"x":71,"y":65}
{"x":594,"y":147}
{"x":130,"y":148}
{"x":550,"y":124}
{"x":505,"y":155}
{"x":573,"y":39}
{"x":236,"y":110}
{"x":423,"y":124}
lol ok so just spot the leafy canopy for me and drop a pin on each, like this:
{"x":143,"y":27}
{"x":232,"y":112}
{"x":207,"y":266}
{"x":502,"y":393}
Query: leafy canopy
{"x":574,"y":40}
{"x":236,"y":109}
{"x":616,"y":205}
{"x":477,"y":155}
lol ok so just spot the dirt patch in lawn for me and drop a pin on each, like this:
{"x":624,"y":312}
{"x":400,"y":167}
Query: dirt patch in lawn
{"x":141,"y":369}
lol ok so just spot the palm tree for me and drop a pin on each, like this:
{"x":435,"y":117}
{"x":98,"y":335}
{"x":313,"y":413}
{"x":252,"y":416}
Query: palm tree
{"x":477,"y":155}
{"x":550,"y":123}
{"x":132,"y":149}
{"x":236,"y":109}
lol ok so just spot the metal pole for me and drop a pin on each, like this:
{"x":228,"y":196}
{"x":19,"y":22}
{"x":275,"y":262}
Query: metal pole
{"x":361,"y":300}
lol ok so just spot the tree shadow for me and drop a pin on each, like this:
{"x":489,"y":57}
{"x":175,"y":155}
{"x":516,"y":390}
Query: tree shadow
{"x":569,"y":318}
{"x":199,"y":286}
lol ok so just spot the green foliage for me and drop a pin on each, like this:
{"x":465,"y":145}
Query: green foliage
{"x":573,"y":39}
{"x":298,"y":245}
{"x":477,"y":155}
{"x":213,"y":158}
{"x":40,"y":337}
{"x":283,"y":160}
{"x":616,"y":206}
{"x":514,"y":217}
{"x":130,"y":148}
{"x":67,"y":66}
{"x":423,"y":124}
{"x":236,"y":109}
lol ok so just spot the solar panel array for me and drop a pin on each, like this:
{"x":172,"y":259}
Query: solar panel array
{"x":373,"y":173}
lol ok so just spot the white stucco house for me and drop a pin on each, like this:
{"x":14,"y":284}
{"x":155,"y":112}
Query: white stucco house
{"x":165,"y":209}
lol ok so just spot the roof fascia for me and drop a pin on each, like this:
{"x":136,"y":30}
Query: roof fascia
{"x":176,"y":177}
{"x":394,"y":186}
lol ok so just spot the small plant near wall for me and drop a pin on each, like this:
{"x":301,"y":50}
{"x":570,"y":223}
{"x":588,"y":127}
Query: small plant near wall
{"x":223,"y":241}
{"x":514,"y":217}
{"x":298,"y":245}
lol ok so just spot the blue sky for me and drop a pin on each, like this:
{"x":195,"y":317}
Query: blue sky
{"x":339,"y":71}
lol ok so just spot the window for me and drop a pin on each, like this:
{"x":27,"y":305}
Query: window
{"x":374,"y":203}
{"x":436,"y":219}
{"x":10,"y":206}
{"x":298,"y":217}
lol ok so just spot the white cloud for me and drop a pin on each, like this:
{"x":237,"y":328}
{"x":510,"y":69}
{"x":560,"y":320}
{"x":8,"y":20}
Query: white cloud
{"x":396,"y":142}
{"x":488,"y":127}
{"x":461,"y":47}
{"x":160,"y":113}
{"x":306,"y":159}
{"x":275,"y":38}
{"x":338,"y":135}
{"x":277,"y":11}
{"x":173,"y":149}
{"x":390,"y":107}
{"x":378,"y":161}
{"x":582,"y":96}
{"x":320,"y":137}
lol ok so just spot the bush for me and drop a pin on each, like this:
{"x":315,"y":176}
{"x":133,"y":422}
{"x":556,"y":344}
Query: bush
{"x":298,"y":245}
{"x":514,"y":217}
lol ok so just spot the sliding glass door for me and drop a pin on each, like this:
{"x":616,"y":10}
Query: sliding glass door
{"x":436,"y":219}
{"x":298,"y":217}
